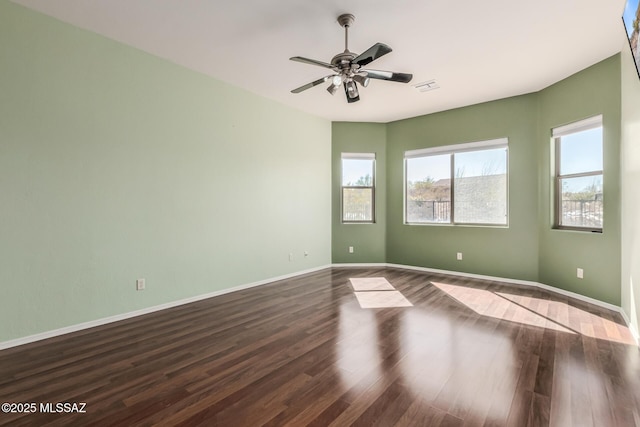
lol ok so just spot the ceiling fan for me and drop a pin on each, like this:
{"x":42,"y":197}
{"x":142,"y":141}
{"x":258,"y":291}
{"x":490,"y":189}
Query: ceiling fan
{"x":347,"y":67}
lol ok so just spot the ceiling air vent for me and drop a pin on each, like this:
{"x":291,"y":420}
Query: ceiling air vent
{"x":426,"y":86}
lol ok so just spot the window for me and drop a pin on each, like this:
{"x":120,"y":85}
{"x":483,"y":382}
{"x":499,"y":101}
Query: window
{"x":358,"y":181}
{"x":457,"y":184}
{"x":578,"y":174}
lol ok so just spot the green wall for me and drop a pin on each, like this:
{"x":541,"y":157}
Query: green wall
{"x":505,"y":252}
{"x":117,"y":165}
{"x":368,"y":240}
{"x":528,"y":249}
{"x":630,"y":175}
{"x":593,"y":91}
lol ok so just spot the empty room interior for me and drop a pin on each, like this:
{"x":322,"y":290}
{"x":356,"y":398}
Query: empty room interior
{"x":221,"y":214}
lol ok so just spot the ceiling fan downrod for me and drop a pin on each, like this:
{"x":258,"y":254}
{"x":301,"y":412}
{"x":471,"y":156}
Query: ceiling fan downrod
{"x":346,"y":20}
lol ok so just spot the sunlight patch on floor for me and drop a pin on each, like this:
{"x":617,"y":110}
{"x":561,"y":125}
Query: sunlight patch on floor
{"x":382,"y":299}
{"x":555,"y":315}
{"x":490,"y":304}
{"x":377,"y":292}
{"x":578,"y":320}
{"x":371,"y":284}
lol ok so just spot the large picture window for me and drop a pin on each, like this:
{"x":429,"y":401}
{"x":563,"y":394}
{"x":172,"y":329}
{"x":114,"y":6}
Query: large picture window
{"x":458,"y":184}
{"x":578,"y":175}
{"x":358,"y":187}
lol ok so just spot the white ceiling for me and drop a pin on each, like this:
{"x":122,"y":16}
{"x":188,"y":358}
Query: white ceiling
{"x":476,"y":50}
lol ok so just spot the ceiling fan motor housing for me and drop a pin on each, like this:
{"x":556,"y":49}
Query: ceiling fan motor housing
{"x":343,"y":60}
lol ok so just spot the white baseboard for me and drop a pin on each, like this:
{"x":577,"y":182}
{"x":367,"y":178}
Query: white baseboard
{"x":362,"y":265}
{"x":105,"y":320}
{"x":461,"y":274}
{"x":631,"y":326}
{"x":570,"y":294}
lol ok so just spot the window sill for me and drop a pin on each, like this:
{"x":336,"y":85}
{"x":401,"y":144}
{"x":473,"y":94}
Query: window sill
{"x":578,"y":230}
{"x":436,"y":224}
{"x":358,"y":223}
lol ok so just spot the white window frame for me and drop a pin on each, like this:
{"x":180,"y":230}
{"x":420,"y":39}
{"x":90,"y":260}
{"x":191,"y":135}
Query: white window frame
{"x":359,"y":156}
{"x":556,"y":139}
{"x":451,"y":150}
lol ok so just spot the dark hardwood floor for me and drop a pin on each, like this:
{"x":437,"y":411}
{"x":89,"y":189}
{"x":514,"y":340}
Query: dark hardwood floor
{"x":303,"y":352}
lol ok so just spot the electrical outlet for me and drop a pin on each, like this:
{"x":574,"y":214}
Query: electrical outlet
{"x":580,"y":273}
{"x":459,"y":256}
{"x":140,"y":285}
{"x":350,"y":249}
{"x":290,"y":257}
{"x":306,"y":253}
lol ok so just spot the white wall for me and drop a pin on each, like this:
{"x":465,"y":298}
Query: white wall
{"x":630,"y":178}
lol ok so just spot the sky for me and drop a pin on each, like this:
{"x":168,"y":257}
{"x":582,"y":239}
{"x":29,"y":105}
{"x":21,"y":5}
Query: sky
{"x":581,"y":152}
{"x":629,"y":15}
{"x":352,"y":169}
{"x":473,"y":163}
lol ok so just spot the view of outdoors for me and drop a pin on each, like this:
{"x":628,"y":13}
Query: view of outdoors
{"x":582,"y":202}
{"x":580,"y":177}
{"x":479,"y":188}
{"x":429,"y":189}
{"x":631,"y":21}
{"x":357,"y":189}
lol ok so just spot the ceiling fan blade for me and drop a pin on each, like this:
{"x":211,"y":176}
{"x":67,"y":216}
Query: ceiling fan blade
{"x":311,"y":61}
{"x":312,"y":84}
{"x":388,"y":75}
{"x":371,"y":54}
{"x":354,"y":96}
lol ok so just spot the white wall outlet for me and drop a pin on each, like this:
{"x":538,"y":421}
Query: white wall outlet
{"x":459,"y":256}
{"x":350,"y":249}
{"x":306,"y":253}
{"x":290,"y":257}
{"x":140,"y":285}
{"x":580,"y":273}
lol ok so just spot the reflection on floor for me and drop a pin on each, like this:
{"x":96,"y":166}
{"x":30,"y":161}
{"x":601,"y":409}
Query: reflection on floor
{"x":542,"y":313}
{"x":377,"y":292}
{"x":302,"y":351}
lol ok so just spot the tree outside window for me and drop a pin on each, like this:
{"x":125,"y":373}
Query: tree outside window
{"x":358,"y":187}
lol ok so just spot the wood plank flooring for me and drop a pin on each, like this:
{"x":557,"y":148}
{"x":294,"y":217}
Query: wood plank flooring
{"x":303,"y":352}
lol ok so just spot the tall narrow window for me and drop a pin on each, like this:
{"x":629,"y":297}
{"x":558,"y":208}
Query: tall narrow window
{"x":579,"y":175}
{"x":358,"y":187}
{"x":457,"y":184}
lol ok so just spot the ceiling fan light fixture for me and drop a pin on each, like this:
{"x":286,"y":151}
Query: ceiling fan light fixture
{"x":363,"y":80}
{"x":337,"y":80}
{"x":352,"y":89}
